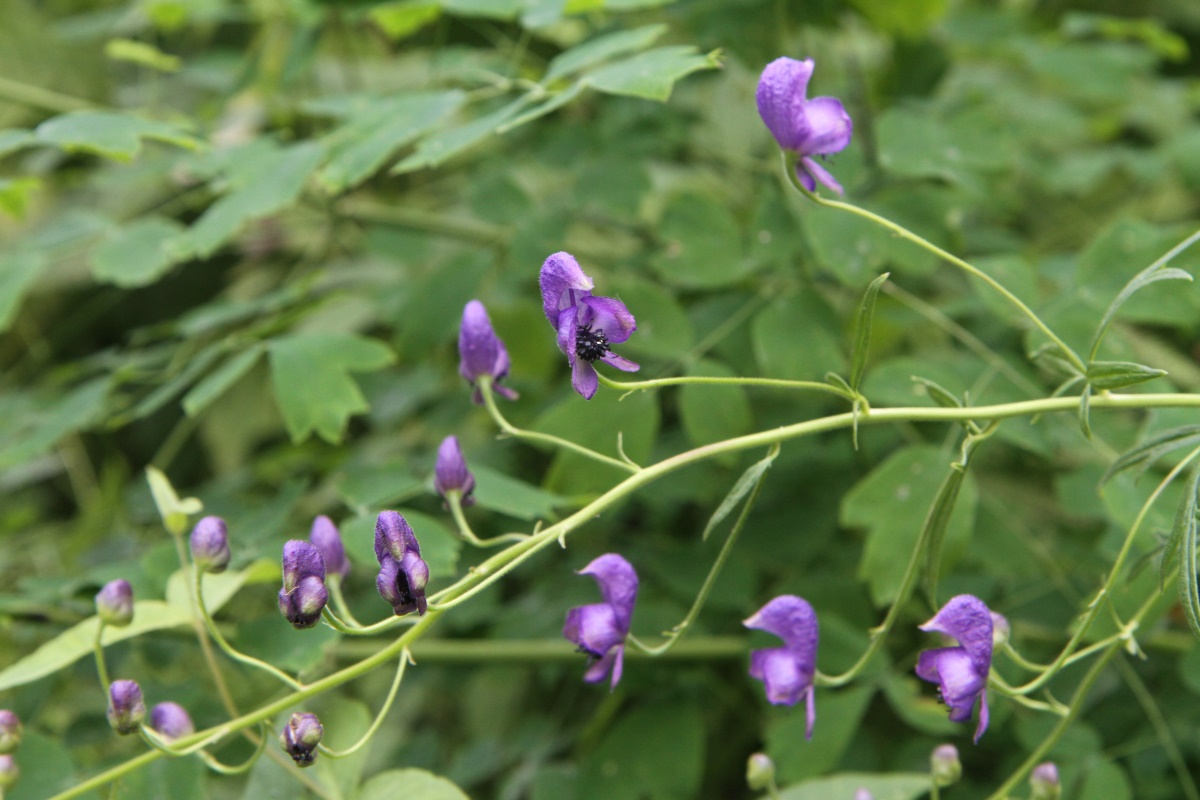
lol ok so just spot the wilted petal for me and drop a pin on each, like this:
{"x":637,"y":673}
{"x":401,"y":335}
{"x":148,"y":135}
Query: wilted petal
{"x":563,"y":284}
{"x":610,"y":316}
{"x":781,"y":98}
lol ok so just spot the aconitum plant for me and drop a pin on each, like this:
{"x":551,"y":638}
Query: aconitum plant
{"x":621,"y":467}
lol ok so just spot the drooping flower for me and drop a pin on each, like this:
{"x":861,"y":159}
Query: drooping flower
{"x":325,"y":537}
{"x":787,"y":672}
{"x":303,"y":595}
{"x":10,"y":731}
{"x":1044,"y":782}
{"x":816,"y":127}
{"x":450,"y":473}
{"x":587,"y":325}
{"x":961,"y":672}
{"x":126,"y":707}
{"x":481,"y":352}
{"x":944,"y":765}
{"x":300,"y":737}
{"x":114,"y":603}
{"x":171,"y":721}
{"x":403,"y":574}
{"x":600,"y":629}
{"x":210,"y":544}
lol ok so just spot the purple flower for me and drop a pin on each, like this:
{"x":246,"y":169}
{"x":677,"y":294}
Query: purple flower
{"x":210,"y":544}
{"x":587,"y":326}
{"x":1044,"y":782}
{"x":816,"y":127}
{"x":114,"y":603}
{"x":481,"y":352}
{"x":126,"y":708}
{"x":325,"y":537}
{"x":961,"y":672}
{"x":600,"y":629}
{"x":403,"y":574}
{"x":450,"y":473}
{"x":303,"y":595}
{"x":787,"y":672}
{"x":300,"y":737}
{"x":944,"y":766}
{"x":10,"y":731}
{"x":171,"y":721}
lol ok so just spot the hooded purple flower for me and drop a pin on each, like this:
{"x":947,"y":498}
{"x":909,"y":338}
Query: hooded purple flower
{"x":481,"y":352}
{"x":300,"y":737}
{"x":787,"y":672}
{"x":816,"y":127}
{"x":325,"y":537}
{"x":171,"y":721}
{"x":114,"y":603}
{"x":587,"y":326}
{"x":402,"y":572}
{"x":450,"y":473}
{"x":961,"y":672}
{"x":126,"y":707}
{"x":600,"y":629}
{"x":303,"y":595}
{"x":210,"y":544}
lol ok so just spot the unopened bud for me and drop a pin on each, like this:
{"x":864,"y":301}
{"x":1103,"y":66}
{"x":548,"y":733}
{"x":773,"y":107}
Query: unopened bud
{"x":10,"y":731}
{"x":863,"y":794}
{"x":300,"y":737}
{"x":1044,"y":781}
{"x":210,"y":544}
{"x":326,"y":538}
{"x":760,"y":772}
{"x":944,"y":765}
{"x":114,"y":603}
{"x":171,"y":721}
{"x":126,"y":708}
{"x":303,"y":595}
{"x":450,"y":472}
{"x":9,"y":771}
{"x":1000,"y":630}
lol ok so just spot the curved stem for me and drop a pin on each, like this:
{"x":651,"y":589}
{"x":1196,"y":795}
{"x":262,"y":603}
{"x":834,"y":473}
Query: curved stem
{"x":454,"y":501}
{"x":216,"y":766}
{"x":210,"y":657}
{"x":775,"y":383}
{"x":405,"y":657}
{"x":101,"y":667}
{"x":1023,"y":662}
{"x":341,"y":626}
{"x":334,"y":584}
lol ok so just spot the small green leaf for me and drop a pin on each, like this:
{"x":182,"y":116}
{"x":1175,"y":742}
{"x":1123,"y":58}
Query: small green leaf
{"x":173,"y":511}
{"x":18,"y":270}
{"x":1105,"y":375}
{"x":1085,"y":411}
{"x":411,"y":784}
{"x":110,"y":134}
{"x":1185,"y":522}
{"x":753,"y":474}
{"x":894,"y":786}
{"x":934,"y":529}
{"x":1151,"y":274}
{"x":220,"y":380}
{"x":138,"y":254}
{"x":313,"y":387}
{"x":601,"y":49}
{"x":1147,"y":453}
{"x":938,"y":393}
{"x":651,"y":75}
{"x":498,"y":491}
{"x":404,"y":18}
{"x":443,"y":145}
{"x":141,"y":53}
{"x":862,"y":330}
{"x":702,"y":245}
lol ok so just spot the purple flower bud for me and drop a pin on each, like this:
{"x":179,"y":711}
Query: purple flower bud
{"x":944,"y":766}
{"x":863,"y":794}
{"x":481,"y":352}
{"x":114,"y":603}
{"x":787,"y":672}
{"x":1000,"y":630}
{"x":816,"y":127}
{"x":10,"y":731}
{"x":210,"y":545}
{"x":126,"y":708}
{"x":303,"y":595}
{"x":1044,"y":781}
{"x":600,"y":629}
{"x":300,"y":737}
{"x":9,"y":771}
{"x":450,"y":473}
{"x":760,"y":771}
{"x":324,"y":535}
{"x":403,"y":574}
{"x":171,"y":721}
{"x":961,"y":672}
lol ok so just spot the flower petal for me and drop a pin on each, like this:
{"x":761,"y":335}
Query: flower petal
{"x":600,"y":669}
{"x":394,"y":536}
{"x":828,"y":127}
{"x":478,"y":347}
{"x":618,"y":583}
{"x":792,"y":619}
{"x":325,"y":537}
{"x":301,"y":560}
{"x":563,"y":283}
{"x":594,"y":628}
{"x":623,"y":364}
{"x":450,"y":471}
{"x":780,"y":98}
{"x":967,"y":619}
{"x":584,"y":378}
{"x":610,"y":316}
{"x":568,"y":330}
{"x":983,"y":716}
{"x":780,"y":674}
{"x":959,"y":681}
{"x":819,"y":173}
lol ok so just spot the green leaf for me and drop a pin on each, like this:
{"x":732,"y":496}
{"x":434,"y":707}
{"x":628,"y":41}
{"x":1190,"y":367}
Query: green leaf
{"x":1186,"y":530}
{"x":711,"y":413}
{"x":702,"y":245}
{"x":110,"y":134}
{"x":173,"y":511}
{"x":14,"y":139}
{"x":491,"y":9}
{"x":497,"y":491}
{"x":840,"y":718}
{"x":404,"y":18}
{"x":862,"y":330}
{"x":934,"y":529}
{"x":443,"y":145}
{"x":176,"y":778}
{"x":1147,"y":453}
{"x":368,"y":487}
{"x":220,"y":588}
{"x":1185,"y":524}
{"x":939,"y":394}
{"x":138,"y":254}
{"x":142,"y":54}
{"x":18,"y":270}
{"x":894,"y":786}
{"x":220,"y":380}
{"x":14,"y":194}
{"x":1105,"y":375}
{"x":313,"y":387}
{"x":42,"y":429}
{"x":411,"y":784}
{"x":651,"y":75}
{"x":601,"y":49}
{"x":659,"y":752}
{"x":46,"y":769}
{"x":910,"y":19}
{"x":753,"y":474}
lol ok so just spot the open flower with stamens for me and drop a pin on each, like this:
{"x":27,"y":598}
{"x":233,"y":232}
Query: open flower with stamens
{"x":587,"y":326}
{"x":600,"y":629}
{"x":961,"y":672}
{"x":816,"y":127}
{"x":787,"y":672}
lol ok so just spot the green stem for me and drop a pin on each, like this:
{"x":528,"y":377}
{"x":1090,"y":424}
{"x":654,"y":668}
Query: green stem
{"x":454,"y":500}
{"x":1161,"y":728}
{"x":334,"y":584}
{"x":225,"y":769}
{"x":101,"y":667}
{"x":521,"y":651}
{"x":387,"y":706}
{"x":37,"y":97}
{"x":633,"y":386}
{"x":1023,"y":662}
{"x":331,"y":619}
{"x":210,"y":657}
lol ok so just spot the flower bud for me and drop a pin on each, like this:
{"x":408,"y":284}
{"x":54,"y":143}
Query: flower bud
{"x":303,"y":595}
{"x":760,"y":772}
{"x":325,"y":537}
{"x":171,"y":721}
{"x":300,"y":737}
{"x":403,"y":574}
{"x":126,"y":708}
{"x":10,"y":731}
{"x":9,"y":771}
{"x":863,"y":794}
{"x":1000,"y":630}
{"x":114,"y":603}
{"x":944,"y":765}
{"x":451,"y":473}
{"x":210,"y":544}
{"x":1044,"y":781}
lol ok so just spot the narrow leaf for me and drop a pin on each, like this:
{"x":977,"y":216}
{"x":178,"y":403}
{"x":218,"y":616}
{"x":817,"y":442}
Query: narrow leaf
{"x":1185,"y":522}
{"x":1149,"y":451}
{"x":938,"y":393}
{"x":110,"y":134}
{"x":601,"y":49}
{"x":936,"y":523}
{"x":740,"y":489}
{"x":1085,"y":410}
{"x":651,"y":75}
{"x":220,"y":380}
{"x":1189,"y":590}
{"x":862,"y":330}
{"x":1105,"y":375}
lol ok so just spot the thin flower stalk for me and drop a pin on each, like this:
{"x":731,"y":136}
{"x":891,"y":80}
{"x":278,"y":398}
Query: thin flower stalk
{"x":405,"y":659}
{"x":683,"y":380}
{"x":454,"y":501}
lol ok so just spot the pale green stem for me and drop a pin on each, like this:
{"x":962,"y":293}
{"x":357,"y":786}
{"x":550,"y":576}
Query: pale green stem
{"x":775,"y":383}
{"x":383,"y":711}
{"x":935,"y":791}
{"x":1002,"y":687}
{"x":210,"y":657}
{"x":37,"y":97}
{"x":341,"y":626}
{"x":216,"y":766}
{"x":230,"y":650}
{"x":454,"y":500}
{"x":1023,"y":662}
{"x":334,"y":584}
{"x":485,"y":388}
{"x":772,"y":791}
{"x":101,"y":667}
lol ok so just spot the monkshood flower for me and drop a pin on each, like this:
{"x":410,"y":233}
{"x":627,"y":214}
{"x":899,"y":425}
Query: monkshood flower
{"x":961,"y":672}
{"x":326,"y":538}
{"x":600,"y":629}
{"x":1044,"y":781}
{"x":9,"y":771}
{"x":481,"y":352}
{"x":303,"y":595}
{"x":10,"y":731}
{"x":587,"y":326}
{"x":787,"y":672}
{"x":944,"y":766}
{"x":450,"y":473}
{"x":816,"y":127}
{"x":171,"y":721}
{"x":114,"y":603}
{"x":300,"y":737}
{"x":210,"y":545}
{"x":126,"y":707}
{"x":403,"y":574}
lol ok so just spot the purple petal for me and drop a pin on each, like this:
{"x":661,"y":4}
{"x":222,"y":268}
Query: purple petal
{"x":810,"y":713}
{"x":612,"y":359}
{"x":809,"y":171}
{"x":983,"y":716}
{"x":781,"y":100}
{"x":568,"y":329}
{"x":792,"y":619}
{"x":618,"y":585}
{"x":781,"y":675}
{"x":594,"y":628}
{"x":610,"y":316}
{"x":394,"y":536}
{"x":171,"y":720}
{"x":563,"y":284}
{"x":478,"y":348}
{"x":967,"y":619}
{"x":600,"y":669}
{"x":301,"y":560}
{"x":325,"y":537}
{"x":828,"y":127}
{"x":584,"y":378}
{"x":958,"y":679}
{"x":450,"y":471}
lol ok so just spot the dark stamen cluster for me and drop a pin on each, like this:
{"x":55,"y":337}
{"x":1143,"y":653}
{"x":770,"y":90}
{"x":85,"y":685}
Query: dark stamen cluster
{"x":589,"y":344}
